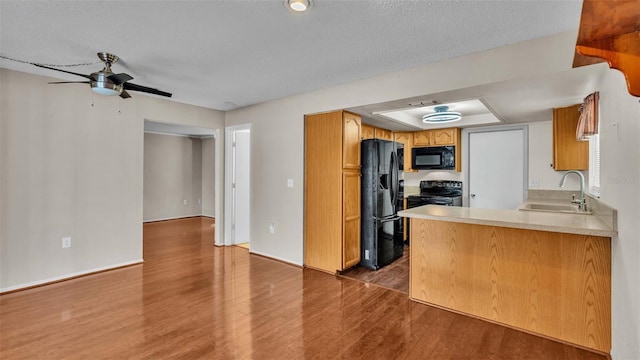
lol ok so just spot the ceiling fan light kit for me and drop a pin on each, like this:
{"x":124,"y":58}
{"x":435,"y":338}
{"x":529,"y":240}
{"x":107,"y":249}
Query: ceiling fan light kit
{"x":105,"y":82}
{"x":441,"y":115}
{"x":106,"y":88}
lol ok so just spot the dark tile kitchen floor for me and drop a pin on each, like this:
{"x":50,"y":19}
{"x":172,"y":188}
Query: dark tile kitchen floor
{"x":394,"y":276}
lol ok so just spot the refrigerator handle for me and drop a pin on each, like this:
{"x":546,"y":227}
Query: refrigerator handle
{"x":395,"y":178}
{"x":392,"y":183}
{"x":392,"y":219}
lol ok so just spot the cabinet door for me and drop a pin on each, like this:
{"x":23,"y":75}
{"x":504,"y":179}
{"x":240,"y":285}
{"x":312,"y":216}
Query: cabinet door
{"x":367,"y":132}
{"x":383,"y":134}
{"x":405,"y":138}
{"x":422,"y":138}
{"x":322,"y":191}
{"x":351,"y":141}
{"x":351,"y":218}
{"x":405,"y":220}
{"x":568,"y":153}
{"x":444,"y":136}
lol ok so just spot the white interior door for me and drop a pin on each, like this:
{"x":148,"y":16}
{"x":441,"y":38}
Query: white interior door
{"x":237,"y":188}
{"x":497,"y":169}
{"x":241,"y":188}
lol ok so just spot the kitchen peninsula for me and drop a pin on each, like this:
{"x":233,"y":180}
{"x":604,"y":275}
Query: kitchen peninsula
{"x":545,"y":273}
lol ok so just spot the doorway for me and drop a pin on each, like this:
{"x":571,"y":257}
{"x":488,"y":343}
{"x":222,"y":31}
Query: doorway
{"x":496,"y":167}
{"x":238,"y":185}
{"x":182,"y":173}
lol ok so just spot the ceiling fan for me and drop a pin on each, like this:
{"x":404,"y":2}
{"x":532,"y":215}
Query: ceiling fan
{"x":105,"y":82}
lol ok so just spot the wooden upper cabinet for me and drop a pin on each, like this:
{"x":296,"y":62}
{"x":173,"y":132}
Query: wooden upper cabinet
{"x":406,"y":139}
{"x":367,"y":132}
{"x":568,"y":153}
{"x":437,"y":137}
{"x":383,"y":134}
{"x":422,"y":138}
{"x":443,"y":137}
{"x":372,"y":132}
{"x":351,"y":140}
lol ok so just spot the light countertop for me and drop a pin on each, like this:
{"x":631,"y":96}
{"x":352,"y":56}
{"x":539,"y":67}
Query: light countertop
{"x":532,"y":220}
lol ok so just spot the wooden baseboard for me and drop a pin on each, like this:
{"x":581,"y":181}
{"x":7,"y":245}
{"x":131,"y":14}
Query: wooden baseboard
{"x":276,"y":259}
{"x":71,"y":277}
{"x":175,"y":218}
{"x":321,"y":270}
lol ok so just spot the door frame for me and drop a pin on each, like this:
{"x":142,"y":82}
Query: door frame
{"x":466,"y":134}
{"x":228,"y":188}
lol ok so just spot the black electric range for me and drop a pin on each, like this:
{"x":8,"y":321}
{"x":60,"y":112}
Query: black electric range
{"x":435,"y":192}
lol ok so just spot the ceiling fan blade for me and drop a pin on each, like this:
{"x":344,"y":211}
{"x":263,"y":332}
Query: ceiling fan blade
{"x":64,"y":71}
{"x":124,"y":94}
{"x":119,"y":78}
{"x":70,"y":82}
{"x":134,"y":87}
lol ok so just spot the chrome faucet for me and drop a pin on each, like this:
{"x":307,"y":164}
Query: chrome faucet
{"x":582,"y":202}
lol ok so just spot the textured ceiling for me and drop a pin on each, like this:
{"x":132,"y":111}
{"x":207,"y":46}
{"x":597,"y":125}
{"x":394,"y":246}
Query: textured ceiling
{"x":229,"y":54}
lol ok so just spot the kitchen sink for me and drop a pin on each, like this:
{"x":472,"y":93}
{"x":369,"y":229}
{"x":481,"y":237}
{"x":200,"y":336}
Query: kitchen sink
{"x":559,"y":208}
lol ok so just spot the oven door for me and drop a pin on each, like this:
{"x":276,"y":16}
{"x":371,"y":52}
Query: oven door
{"x":414,"y":201}
{"x":441,"y":201}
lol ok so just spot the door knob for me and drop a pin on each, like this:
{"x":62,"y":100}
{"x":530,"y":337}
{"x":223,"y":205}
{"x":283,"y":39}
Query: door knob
{"x":473,"y":196}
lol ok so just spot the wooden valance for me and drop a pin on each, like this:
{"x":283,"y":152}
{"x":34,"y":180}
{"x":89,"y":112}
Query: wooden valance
{"x":610,"y":31}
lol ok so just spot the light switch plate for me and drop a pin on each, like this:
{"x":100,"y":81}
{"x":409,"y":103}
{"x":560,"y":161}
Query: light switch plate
{"x":290,"y":183}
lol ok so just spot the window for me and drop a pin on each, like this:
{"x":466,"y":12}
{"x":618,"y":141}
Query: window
{"x":594,"y":165}
{"x":589,"y":129}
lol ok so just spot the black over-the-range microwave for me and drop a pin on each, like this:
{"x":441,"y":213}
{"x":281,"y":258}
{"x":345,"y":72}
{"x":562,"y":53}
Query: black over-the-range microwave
{"x":433,"y":157}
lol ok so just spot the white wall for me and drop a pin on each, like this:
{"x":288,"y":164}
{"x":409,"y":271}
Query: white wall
{"x":277,"y":154}
{"x":277,"y":142}
{"x":541,"y":158}
{"x":620,"y":188}
{"x":71,"y":165}
{"x":208,"y":178}
{"x":173,"y":173}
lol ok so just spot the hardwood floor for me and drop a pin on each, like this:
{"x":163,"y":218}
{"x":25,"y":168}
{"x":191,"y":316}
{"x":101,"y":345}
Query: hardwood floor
{"x":191,"y":300}
{"x":393,"y":276}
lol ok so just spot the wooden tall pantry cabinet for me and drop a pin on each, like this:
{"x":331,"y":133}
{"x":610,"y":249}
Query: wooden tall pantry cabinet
{"x":332,"y":191}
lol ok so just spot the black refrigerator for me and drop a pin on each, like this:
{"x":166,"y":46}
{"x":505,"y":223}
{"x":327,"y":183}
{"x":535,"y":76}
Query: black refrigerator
{"x":381,"y":241}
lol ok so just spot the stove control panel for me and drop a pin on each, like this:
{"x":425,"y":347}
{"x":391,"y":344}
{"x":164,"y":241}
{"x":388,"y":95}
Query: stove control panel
{"x":427,"y":184}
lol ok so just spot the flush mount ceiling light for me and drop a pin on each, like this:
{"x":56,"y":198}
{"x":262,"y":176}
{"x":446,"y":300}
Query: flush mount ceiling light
{"x":298,"y":5}
{"x":441,"y":115}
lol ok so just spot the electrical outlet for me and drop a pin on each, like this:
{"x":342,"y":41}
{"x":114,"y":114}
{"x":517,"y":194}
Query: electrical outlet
{"x":272,"y":228}
{"x":184,"y":202}
{"x":66,"y":242}
{"x":290,"y":183}
{"x":199,"y":201}
{"x":534,"y":183}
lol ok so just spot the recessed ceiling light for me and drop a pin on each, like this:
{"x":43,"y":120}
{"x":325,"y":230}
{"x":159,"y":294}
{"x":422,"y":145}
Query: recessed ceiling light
{"x":441,"y":115}
{"x":298,"y":5}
